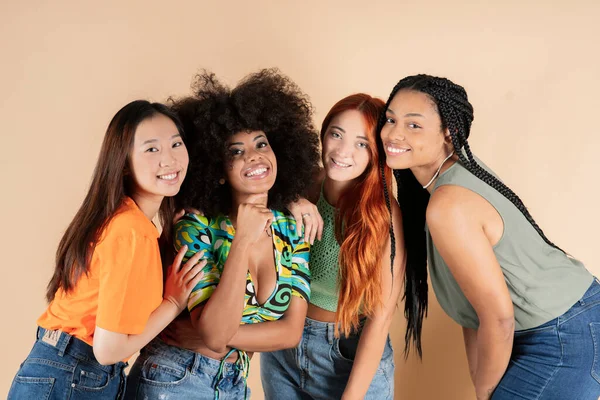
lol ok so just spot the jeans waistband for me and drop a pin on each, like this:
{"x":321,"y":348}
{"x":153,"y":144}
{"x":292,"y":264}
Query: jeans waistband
{"x":319,"y":328}
{"x":191,"y":360}
{"x":74,"y":347}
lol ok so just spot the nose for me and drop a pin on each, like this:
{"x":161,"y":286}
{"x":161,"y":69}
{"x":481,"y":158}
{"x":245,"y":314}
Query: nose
{"x":167,"y":158}
{"x":393,"y":133}
{"x":345,"y":148}
{"x":252,"y":155}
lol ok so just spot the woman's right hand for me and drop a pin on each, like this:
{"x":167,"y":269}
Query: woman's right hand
{"x":181,"y":279}
{"x":253,"y":219}
{"x":184,"y":211}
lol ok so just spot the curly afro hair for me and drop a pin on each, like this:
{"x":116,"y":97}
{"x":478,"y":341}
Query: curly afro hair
{"x":263,"y":101}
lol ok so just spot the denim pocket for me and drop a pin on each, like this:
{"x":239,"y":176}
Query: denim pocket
{"x":25,"y":387}
{"x":89,"y":377}
{"x":156,"y":373}
{"x":345,"y":348}
{"x":595,"y":332}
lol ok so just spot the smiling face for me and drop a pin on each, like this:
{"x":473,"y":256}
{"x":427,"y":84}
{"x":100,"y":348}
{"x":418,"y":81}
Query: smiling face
{"x":346,"y":153}
{"x":412,"y":135}
{"x":252,"y":166}
{"x":158,"y":159}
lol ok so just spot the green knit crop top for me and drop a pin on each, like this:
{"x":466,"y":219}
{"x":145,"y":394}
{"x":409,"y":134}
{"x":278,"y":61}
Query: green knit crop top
{"x":324,"y":264}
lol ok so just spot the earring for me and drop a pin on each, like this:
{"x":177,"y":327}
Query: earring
{"x":222,"y":181}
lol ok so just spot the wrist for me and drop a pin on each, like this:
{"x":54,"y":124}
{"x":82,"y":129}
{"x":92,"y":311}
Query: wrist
{"x":172,"y":306}
{"x":240,"y":242}
{"x":484,"y":393}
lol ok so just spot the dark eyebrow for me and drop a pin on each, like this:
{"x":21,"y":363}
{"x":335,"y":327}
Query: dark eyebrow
{"x":414,"y":115}
{"x":241,"y":144}
{"x":390,"y":111}
{"x":156,"y":140}
{"x":338,"y":128}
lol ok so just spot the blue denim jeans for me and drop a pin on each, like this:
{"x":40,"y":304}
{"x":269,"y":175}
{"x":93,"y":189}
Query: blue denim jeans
{"x":559,"y":360}
{"x":167,"y":372}
{"x":319,"y":367}
{"x":61,"y":367}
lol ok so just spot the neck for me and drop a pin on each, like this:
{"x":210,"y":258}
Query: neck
{"x":428,"y":175}
{"x":332,"y":190}
{"x":149,"y":204}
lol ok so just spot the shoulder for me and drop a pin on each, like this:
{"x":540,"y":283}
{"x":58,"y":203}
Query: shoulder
{"x":285,"y":228}
{"x":129,"y":222}
{"x":195,"y":227}
{"x":198,"y":222}
{"x":451,"y":204}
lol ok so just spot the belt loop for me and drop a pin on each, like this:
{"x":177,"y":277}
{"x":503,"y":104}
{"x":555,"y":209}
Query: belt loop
{"x":63,"y":342}
{"x":330,"y":333}
{"x":195,"y":364}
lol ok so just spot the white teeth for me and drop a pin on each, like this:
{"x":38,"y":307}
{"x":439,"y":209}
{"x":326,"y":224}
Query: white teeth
{"x":257,"y":172}
{"x":396,"y":150}
{"x":168,"y":177}
{"x":340,"y":164}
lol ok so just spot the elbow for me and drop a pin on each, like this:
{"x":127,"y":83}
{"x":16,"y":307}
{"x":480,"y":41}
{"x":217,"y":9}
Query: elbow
{"x":214,"y":343}
{"x":215,"y":340}
{"x":503,"y":326}
{"x":506,"y":325}
{"x":104,"y":356}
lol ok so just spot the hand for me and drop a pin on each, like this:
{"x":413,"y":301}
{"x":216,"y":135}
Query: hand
{"x":253,"y":219}
{"x":183,"y":211}
{"x":307,"y":215}
{"x":181,"y":281}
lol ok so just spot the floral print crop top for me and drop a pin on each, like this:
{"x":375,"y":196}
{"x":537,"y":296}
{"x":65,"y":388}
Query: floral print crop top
{"x":214,"y":236}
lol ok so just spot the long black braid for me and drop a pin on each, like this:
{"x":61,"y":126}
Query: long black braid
{"x":456,"y":114}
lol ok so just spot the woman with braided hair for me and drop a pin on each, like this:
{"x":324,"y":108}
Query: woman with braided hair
{"x":529,"y":312}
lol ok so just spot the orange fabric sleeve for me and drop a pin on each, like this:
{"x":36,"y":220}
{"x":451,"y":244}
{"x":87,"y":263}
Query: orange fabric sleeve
{"x":130,"y":281}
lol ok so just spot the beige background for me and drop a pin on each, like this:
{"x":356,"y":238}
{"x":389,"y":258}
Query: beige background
{"x":530,"y":68}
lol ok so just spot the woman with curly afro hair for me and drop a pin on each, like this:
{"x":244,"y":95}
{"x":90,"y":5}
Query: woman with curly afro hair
{"x":253,"y":150}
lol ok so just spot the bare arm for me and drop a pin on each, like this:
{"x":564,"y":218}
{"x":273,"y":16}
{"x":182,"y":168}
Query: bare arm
{"x":219,"y":319}
{"x":455,"y":220}
{"x":470,"y":337}
{"x":375,"y":332}
{"x":284,"y":333}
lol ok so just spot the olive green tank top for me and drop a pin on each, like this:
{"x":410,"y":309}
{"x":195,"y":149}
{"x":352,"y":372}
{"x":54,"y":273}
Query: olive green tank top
{"x":324,"y":266}
{"x":543,"y":281}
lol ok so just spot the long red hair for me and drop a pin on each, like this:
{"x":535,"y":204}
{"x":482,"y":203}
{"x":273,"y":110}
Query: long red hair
{"x":365,"y":219}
